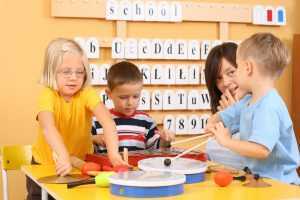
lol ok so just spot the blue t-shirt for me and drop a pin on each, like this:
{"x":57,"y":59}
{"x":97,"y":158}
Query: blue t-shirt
{"x":267,"y":122}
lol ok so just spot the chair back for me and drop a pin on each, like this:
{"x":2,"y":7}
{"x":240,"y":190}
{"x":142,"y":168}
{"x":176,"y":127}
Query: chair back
{"x":14,"y":156}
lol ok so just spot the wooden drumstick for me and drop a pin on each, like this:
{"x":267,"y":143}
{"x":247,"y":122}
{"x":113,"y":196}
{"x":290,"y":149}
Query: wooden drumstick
{"x":168,"y":161}
{"x":125,"y":155}
{"x":192,"y":138}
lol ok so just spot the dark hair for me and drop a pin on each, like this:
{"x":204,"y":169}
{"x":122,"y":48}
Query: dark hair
{"x":122,"y":73}
{"x":227,"y":51}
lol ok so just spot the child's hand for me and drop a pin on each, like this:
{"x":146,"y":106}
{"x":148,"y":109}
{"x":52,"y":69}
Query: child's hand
{"x":209,"y":126}
{"x":167,"y":135}
{"x":116,"y":160}
{"x":221,"y":133}
{"x":211,"y":122}
{"x":227,"y":99}
{"x":98,"y":139}
{"x":63,"y":166}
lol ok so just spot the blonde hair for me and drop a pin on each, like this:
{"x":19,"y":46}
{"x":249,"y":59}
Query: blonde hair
{"x":267,"y":51}
{"x":54,"y":58}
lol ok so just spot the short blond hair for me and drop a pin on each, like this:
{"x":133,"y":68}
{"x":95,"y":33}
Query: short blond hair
{"x":54,"y":58}
{"x":267,"y":51}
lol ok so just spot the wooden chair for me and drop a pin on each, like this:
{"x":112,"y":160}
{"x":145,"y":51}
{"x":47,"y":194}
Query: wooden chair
{"x":12,"y":158}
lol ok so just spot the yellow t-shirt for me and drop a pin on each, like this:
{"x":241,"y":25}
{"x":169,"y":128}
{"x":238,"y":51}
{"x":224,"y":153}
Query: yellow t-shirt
{"x":72,"y":119}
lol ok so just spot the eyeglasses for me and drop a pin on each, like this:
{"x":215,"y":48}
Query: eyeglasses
{"x":68,"y":73}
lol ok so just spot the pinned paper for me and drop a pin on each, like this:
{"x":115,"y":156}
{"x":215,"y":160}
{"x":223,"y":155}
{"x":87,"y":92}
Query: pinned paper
{"x":181,"y":126}
{"x":144,"y":100}
{"x":150,"y":11}
{"x":270,"y":15}
{"x":205,"y":48}
{"x":144,"y":49}
{"x":157,"y":74}
{"x":181,"y":99}
{"x":118,"y":48}
{"x":280,"y":16}
{"x":131,"y":50}
{"x":194,"y":125}
{"x":156,"y":100}
{"x":169,"y":74}
{"x":194,"y":74}
{"x":193,"y":100}
{"x":103,"y":71}
{"x":182,"y":74}
{"x":105,"y":100}
{"x":125,"y":12}
{"x":181,"y":49}
{"x":146,"y":72}
{"x":81,"y":42}
{"x":203,"y":122}
{"x":169,"y":100}
{"x":258,"y":15}
{"x":176,"y":11}
{"x":169,"y":123}
{"x":92,"y":47}
{"x":157,"y":51}
{"x":138,"y":10}
{"x":204,"y":99}
{"x":112,"y":12}
{"x":163,"y":11}
{"x":194,"y":50}
{"x":169,"y":49}
{"x":94,"y":74}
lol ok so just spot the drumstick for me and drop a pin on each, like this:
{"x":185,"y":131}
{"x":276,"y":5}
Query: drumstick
{"x":192,"y":138}
{"x":125,"y":155}
{"x":168,"y":161}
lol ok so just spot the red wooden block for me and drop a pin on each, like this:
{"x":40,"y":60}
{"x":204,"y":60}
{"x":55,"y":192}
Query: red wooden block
{"x":269,"y":15}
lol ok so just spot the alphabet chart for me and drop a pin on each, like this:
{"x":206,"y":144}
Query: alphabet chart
{"x":174,"y":91}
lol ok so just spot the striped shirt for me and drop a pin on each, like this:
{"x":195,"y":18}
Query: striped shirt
{"x":136,"y":132}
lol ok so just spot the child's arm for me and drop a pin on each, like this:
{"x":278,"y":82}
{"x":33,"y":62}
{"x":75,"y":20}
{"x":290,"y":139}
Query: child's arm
{"x":110,"y":134}
{"x":54,"y":139}
{"x":244,"y":148}
{"x":230,"y":116}
{"x":98,"y":139}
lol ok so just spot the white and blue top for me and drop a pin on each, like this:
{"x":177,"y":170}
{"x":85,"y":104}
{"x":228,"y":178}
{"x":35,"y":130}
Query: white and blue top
{"x":266,"y":122}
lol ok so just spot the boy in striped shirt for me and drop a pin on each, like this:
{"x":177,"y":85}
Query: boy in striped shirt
{"x":136,"y":129}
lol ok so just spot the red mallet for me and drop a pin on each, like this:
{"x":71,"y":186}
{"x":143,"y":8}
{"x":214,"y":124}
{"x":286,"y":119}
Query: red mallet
{"x":223,"y":178}
{"x":107,"y":168}
{"x":90,"y":166}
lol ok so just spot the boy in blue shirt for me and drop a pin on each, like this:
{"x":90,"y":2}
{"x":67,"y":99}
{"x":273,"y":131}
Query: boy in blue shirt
{"x":267,"y":140}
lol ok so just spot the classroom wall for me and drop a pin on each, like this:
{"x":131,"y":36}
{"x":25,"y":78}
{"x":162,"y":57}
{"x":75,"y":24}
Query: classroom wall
{"x":297,"y":15}
{"x":27,"y":28}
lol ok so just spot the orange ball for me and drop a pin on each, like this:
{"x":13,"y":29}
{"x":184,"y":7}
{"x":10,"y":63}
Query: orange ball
{"x":223,"y":178}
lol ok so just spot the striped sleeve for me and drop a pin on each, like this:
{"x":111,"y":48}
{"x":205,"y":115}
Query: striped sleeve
{"x":96,"y":127}
{"x":152,"y":136}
